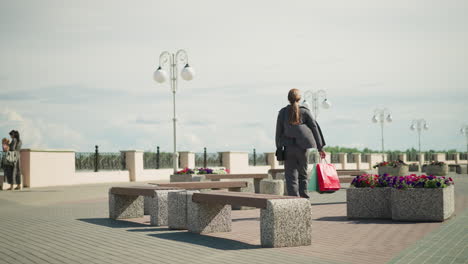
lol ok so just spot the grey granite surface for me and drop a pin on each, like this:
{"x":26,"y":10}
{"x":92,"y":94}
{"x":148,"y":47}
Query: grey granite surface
{"x":368,"y":203}
{"x":177,"y":209}
{"x":158,"y":207}
{"x":286,"y":223}
{"x":208,"y":218}
{"x":125,"y":206}
{"x":272,"y":187}
{"x":423,"y":204}
{"x":437,"y":170}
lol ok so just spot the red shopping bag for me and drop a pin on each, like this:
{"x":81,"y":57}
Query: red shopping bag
{"x":327,"y":177}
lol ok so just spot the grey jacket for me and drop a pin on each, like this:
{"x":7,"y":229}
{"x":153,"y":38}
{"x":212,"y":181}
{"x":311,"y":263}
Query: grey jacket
{"x":305,"y":135}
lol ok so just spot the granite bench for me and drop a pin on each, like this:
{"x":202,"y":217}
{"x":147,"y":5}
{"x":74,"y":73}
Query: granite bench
{"x":129,"y":202}
{"x":235,"y":186}
{"x":285,"y":221}
{"x":256,"y":178}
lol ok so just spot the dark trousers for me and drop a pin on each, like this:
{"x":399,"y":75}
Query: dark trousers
{"x":295,"y":170}
{"x":12,"y":175}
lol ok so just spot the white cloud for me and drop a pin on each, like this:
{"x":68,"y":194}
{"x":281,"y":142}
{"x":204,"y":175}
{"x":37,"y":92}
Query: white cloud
{"x":38,"y":133}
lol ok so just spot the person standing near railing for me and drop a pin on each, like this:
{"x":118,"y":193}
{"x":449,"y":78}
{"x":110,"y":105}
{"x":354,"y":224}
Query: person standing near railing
{"x":14,"y":175}
{"x":4,"y":165}
{"x":297,"y":131}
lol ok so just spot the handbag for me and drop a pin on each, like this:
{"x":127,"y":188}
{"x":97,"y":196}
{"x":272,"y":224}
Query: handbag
{"x":327,"y":177}
{"x":313,"y":183}
{"x":11,"y":157}
{"x":280,"y":154}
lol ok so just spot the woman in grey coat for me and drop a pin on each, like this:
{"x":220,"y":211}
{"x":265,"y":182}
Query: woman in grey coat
{"x":14,"y":175}
{"x":297,"y":131}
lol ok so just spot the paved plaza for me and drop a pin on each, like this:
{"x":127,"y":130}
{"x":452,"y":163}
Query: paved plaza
{"x":71,"y":225}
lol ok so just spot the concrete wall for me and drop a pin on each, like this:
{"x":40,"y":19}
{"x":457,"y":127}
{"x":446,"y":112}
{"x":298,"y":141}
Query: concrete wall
{"x":47,"y":167}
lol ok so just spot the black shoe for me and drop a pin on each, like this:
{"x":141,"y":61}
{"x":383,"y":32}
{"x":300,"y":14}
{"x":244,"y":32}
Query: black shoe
{"x":305,"y":196}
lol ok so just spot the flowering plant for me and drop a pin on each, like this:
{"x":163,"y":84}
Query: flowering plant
{"x":221,"y":171}
{"x":401,"y":182}
{"x":202,"y":171}
{"x":394,"y":164}
{"x":437,"y":163}
{"x":186,"y":171}
{"x":372,"y":181}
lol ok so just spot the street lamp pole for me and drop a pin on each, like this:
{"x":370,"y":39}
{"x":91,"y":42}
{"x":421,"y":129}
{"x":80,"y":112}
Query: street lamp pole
{"x":313,"y":97}
{"x":419,"y":125}
{"x":380,"y":116}
{"x":171,"y":60}
{"x":464,"y":131}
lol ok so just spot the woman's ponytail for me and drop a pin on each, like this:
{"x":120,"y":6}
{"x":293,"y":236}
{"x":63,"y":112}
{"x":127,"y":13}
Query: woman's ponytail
{"x":295,"y":115}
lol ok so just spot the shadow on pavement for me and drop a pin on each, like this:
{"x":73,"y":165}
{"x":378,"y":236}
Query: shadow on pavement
{"x":246,"y":219}
{"x":206,"y":241}
{"x":358,"y":221}
{"x":154,"y":229}
{"x":112,"y":223}
{"x":314,"y":204}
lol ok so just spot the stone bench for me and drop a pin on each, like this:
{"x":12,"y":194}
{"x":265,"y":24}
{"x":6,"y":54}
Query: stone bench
{"x":285,"y":221}
{"x":128,"y":202}
{"x":217,"y":177}
{"x":256,"y":178}
{"x":233,"y":186}
{"x":277,"y":187}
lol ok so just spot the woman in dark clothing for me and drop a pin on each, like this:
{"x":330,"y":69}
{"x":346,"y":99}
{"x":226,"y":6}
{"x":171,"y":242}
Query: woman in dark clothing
{"x":14,"y":175}
{"x":297,"y":131}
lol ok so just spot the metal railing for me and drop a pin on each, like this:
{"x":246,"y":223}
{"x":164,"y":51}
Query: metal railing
{"x":205,"y":159}
{"x":463,"y":156}
{"x":158,"y":160}
{"x":313,"y":157}
{"x":350,"y":158}
{"x":412,"y":156}
{"x":450,"y":156}
{"x":256,"y":159}
{"x":429,"y":156}
{"x":99,"y":160}
{"x":391,"y":156}
{"x":364,"y":158}
{"x":334,"y":158}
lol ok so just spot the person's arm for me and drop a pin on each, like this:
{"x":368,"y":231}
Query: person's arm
{"x":312,"y":124}
{"x":279,"y":130}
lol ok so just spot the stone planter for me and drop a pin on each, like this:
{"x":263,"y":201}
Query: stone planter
{"x":394,"y":171}
{"x":368,"y":203}
{"x":437,"y":170}
{"x":187,"y":177}
{"x":422,"y":204}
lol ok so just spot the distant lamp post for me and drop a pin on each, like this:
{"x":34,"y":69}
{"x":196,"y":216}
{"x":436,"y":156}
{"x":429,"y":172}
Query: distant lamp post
{"x":419,"y":125}
{"x":312,"y":101}
{"x":464,"y":131}
{"x":381,"y":116}
{"x":170,"y":61}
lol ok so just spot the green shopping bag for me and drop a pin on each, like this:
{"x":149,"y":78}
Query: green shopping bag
{"x":313,"y":183}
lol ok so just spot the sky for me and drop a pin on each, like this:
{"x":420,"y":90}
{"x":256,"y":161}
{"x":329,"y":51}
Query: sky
{"x":74,"y":74}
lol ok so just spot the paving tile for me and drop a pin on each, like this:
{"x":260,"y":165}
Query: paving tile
{"x":71,"y":225}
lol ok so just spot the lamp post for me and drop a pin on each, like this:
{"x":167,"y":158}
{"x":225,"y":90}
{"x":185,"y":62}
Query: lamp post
{"x":419,"y":125}
{"x":314,"y":97}
{"x":380,"y":116}
{"x":171,"y":60}
{"x":464,"y":131}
